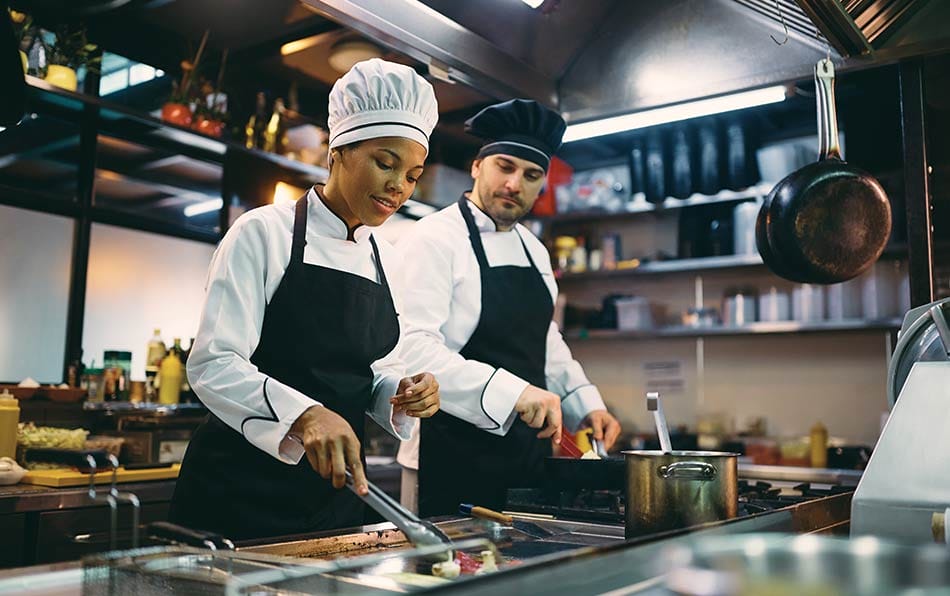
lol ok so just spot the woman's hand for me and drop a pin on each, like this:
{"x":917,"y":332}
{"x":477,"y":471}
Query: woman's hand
{"x":417,"y":396}
{"x":331,"y":446}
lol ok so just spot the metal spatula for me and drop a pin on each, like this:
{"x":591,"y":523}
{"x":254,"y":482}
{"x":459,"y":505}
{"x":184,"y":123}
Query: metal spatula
{"x":662,"y":430}
{"x":529,"y":528}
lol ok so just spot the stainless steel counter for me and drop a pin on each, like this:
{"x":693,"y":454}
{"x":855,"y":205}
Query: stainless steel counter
{"x":21,"y":498}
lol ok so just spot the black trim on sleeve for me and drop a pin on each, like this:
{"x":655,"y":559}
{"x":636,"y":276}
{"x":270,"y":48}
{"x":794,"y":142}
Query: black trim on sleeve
{"x":273,"y":414}
{"x":481,"y":402}
{"x":575,"y":390}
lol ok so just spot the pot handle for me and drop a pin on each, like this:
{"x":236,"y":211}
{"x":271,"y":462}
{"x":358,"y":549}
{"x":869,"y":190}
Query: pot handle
{"x":827,"y":112}
{"x":687,"y":470}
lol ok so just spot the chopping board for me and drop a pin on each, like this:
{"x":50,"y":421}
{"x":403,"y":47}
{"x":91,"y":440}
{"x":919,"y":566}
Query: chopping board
{"x":69,"y":477}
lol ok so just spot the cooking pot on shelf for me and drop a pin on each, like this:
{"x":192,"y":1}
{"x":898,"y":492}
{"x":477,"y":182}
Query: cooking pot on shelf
{"x":669,"y":491}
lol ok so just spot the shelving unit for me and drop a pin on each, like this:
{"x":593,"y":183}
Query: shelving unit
{"x":641,"y":206}
{"x":671,"y":266}
{"x":761,"y":328}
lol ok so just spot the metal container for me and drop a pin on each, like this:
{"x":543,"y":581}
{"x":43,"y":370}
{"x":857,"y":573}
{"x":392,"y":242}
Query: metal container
{"x":805,"y":564}
{"x":668,"y":491}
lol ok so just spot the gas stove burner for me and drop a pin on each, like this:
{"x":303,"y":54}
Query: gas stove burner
{"x":808,"y":490}
{"x":759,"y":490}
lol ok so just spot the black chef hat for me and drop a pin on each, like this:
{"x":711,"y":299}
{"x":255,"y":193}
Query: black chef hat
{"x":520,"y":127}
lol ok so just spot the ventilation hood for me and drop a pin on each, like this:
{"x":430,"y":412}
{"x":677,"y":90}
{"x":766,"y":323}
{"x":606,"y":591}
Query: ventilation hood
{"x":597,"y":58}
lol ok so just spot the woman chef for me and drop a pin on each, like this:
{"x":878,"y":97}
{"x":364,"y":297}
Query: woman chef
{"x":299,"y":336}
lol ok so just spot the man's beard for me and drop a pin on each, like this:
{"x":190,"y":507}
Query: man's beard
{"x":502,"y":216}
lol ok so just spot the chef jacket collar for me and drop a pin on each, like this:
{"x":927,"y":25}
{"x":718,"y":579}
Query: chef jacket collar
{"x":483,"y":221}
{"x":324,"y":222}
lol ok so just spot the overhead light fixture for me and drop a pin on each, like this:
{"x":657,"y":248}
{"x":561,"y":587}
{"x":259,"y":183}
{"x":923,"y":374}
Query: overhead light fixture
{"x":681,"y":111}
{"x":347,"y":52}
{"x":203,"y":207}
{"x":533,"y":3}
{"x":299,"y":45}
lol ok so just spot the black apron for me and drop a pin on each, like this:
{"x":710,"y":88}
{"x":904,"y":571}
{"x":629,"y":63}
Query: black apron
{"x":322,"y":330}
{"x":458,"y":462}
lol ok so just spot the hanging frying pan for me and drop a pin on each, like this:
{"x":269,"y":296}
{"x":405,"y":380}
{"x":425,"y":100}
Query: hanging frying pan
{"x":828,"y":221}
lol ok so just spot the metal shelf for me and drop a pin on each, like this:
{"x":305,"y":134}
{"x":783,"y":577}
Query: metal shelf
{"x":123,"y":122}
{"x":763,"y":328}
{"x":127,"y":407}
{"x":641,"y":207}
{"x":896,"y":251}
{"x":671,"y":266}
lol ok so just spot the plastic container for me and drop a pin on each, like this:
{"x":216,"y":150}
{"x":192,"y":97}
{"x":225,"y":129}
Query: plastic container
{"x":634,"y":313}
{"x":808,"y":303}
{"x":774,"y":305}
{"x":844,"y":300}
{"x":9,"y":417}
{"x":738,"y":307}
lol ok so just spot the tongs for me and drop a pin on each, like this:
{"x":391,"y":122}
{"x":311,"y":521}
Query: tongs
{"x":418,"y":531}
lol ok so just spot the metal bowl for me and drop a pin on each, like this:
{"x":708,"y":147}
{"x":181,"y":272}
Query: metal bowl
{"x":779,"y":564}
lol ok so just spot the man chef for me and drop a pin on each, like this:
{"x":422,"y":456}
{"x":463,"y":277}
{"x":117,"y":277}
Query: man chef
{"x":478,"y":306}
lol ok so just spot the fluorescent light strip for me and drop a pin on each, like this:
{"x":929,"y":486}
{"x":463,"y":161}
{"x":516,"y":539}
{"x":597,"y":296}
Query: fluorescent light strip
{"x":682,"y":111}
{"x":533,"y":3}
{"x":299,"y":45}
{"x":203,"y":207}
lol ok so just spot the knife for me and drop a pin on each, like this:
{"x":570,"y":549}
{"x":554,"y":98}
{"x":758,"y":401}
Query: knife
{"x":529,"y":528}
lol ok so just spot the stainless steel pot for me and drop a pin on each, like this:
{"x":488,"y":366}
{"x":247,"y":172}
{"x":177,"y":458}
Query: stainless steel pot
{"x":668,"y":491}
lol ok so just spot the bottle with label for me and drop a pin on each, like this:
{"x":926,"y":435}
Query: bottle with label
{"x":819,"y":446}
{"x":169,"y":375}
{"x":153,"y":357}
{"x":274,"y":132}
{"x":9,"y":417}
{"x":254,"y":128}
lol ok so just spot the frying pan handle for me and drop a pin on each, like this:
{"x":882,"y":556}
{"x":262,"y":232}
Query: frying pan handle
{"x":827,"y":112}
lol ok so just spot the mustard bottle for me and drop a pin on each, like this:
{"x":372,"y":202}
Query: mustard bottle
{"x":819,"y":446}
{"x":170,"y":373}
{"x":9,"y":417}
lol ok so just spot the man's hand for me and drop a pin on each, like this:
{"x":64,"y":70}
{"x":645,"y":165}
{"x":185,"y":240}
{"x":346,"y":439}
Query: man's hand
{"x":605,"y":427}
{"x":417,"y":396}
{"x":331,"y":446}
{"x":539,"y":408}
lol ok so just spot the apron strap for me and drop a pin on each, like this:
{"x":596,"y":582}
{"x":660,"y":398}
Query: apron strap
{"x":525,"y":247}
{"x":476,"y":237}
{"x":379,"y":263}
{"x":300,"y":232}
{"x":473,"y":233}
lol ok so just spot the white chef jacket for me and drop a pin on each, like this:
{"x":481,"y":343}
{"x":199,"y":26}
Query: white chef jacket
{"x":245,"y":271}
{"x":442,"y":296}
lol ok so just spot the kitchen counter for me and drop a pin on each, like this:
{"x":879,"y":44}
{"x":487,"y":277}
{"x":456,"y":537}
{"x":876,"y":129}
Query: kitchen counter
{"x":577,"y":558}
{"x":41,"y":524}
{"x":23,"y":498}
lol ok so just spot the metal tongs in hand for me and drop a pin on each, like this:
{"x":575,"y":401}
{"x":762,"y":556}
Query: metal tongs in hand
{"x":418,"y":531}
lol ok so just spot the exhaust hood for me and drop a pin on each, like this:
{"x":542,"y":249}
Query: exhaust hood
{"x":593,"y":59}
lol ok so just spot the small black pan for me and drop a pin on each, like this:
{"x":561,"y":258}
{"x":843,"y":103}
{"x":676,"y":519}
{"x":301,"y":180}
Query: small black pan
{"x":567,"y":473}
{"x":829,"y":221}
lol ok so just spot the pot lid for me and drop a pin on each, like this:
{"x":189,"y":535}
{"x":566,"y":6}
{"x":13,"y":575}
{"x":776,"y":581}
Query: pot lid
{"x":919,"y":340}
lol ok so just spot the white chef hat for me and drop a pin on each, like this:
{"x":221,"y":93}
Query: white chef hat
{"x":376,"y":98}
